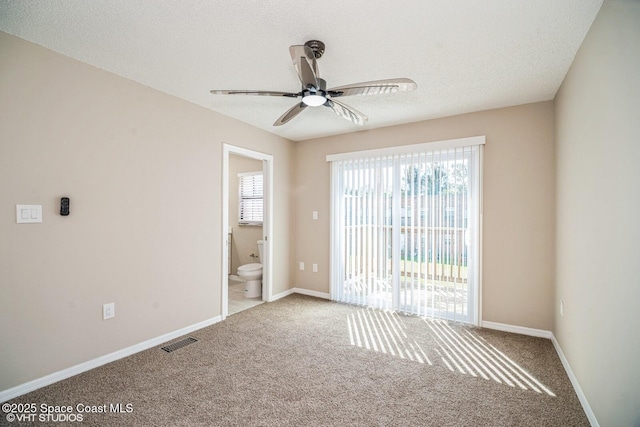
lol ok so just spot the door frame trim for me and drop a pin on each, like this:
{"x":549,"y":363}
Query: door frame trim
{"x":267,"y":224}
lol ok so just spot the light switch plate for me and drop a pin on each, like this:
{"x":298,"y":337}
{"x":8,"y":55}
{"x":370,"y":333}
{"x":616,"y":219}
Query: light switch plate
{"x":26,"y":214}
{"x":108,"y":311}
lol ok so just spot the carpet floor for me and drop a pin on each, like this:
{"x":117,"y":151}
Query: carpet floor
{"x":302,"y":361}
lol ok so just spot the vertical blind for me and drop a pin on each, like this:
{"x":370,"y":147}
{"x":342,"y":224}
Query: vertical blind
{"x":250,"y":198}
{"x":405,"y":232}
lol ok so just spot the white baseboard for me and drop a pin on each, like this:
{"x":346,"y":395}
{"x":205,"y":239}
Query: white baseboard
{"x":102,"y":360}
{"x":316,"y":294}
{"x":301,"y":291}
{"x":281,"y":295}
{"x":576,"y":386}
{"x":565,"y":363}
{"x":541,"y":333}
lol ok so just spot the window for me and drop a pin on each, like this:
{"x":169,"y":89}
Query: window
{"x":405,"y":228}
{"x":250,"y":198}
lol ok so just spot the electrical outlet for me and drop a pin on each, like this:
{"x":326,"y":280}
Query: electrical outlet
{"x":562,"y":308}
{"x":315,"y":268}
{"x":301,"y":265}
{"x":314,"y":214}
{"x":108,"y":311}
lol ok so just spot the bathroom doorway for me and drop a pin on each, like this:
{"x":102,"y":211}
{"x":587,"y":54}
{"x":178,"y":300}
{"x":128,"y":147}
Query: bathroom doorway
{"x":241,"y":234}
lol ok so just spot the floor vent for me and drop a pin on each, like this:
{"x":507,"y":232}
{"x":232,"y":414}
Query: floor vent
{"x":178,"y":344}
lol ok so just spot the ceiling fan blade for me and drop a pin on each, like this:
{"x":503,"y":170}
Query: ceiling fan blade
{"x":290,"y":114}
{"x":375,"y":87}
{"x":305,"y":64}
{"x":311,"y":57}
{"x":254,"y":92}
{"x":348,"y":113}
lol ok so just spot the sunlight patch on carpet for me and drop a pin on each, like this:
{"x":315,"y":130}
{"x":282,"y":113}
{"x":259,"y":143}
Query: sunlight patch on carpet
{"x":459,"y":349}
{"x":383,"y":331}
{"x":470,"y":354}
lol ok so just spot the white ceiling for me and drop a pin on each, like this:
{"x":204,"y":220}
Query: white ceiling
{"x":465,"y":55}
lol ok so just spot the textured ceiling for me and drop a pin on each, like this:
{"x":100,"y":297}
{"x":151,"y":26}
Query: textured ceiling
{"x":464,"y":55}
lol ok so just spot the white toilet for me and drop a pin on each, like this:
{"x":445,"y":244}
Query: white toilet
{"x":252,"y":275}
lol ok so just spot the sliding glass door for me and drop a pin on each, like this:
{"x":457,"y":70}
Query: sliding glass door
{"x":405,"y":230}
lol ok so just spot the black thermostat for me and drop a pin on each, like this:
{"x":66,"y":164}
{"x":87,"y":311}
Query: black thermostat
{"x":64,"y":206}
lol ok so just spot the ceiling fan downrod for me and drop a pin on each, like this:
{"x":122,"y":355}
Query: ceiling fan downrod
{"x":317,"y":47}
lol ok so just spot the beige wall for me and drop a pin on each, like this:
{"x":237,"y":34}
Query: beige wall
{"x":598,"y":205}
{"x":143,"y":171}
{"x":245,"y":237}
{"x":518,"y":204}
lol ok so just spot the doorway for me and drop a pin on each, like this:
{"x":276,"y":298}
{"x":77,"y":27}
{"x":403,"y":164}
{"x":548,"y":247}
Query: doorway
{"x":233,"y":155}
{"x":406,"y":227}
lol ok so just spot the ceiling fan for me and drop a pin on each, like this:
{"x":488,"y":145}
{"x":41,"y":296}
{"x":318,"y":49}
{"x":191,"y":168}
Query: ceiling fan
{"x":314,"y":92}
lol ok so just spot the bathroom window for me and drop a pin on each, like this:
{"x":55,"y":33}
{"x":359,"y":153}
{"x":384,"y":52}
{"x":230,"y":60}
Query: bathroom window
{"x":250,"y":197}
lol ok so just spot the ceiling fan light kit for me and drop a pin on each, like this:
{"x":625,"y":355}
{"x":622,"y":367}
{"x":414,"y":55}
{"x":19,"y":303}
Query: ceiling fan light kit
{"x":314,"y":92}
{"x":313,"y":99}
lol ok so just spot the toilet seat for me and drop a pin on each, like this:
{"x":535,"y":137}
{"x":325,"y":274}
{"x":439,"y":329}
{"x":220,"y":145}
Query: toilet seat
{"x":250,"y":267}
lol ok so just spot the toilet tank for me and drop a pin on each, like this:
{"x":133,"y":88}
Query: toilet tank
{"x":260,"y":249}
